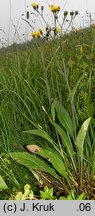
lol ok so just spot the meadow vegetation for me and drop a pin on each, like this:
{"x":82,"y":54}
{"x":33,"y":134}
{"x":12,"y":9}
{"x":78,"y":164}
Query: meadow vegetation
{"x":47,"y":118}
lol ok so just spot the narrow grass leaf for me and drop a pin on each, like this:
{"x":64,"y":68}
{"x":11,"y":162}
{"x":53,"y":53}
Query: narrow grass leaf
{"x":74,"y":90}
{"x":76,"y":87}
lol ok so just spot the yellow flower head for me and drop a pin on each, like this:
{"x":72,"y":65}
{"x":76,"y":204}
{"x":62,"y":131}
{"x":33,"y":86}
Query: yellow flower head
{"x":40,"y":30}
{"x":35,"y":6}
{"x":56,"y":30}
{"x":33,"y":34}
{"x":54,"y":8}
{"x":36,"y":34}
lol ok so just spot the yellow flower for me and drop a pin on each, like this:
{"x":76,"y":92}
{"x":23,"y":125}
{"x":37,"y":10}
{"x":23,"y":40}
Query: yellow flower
{"x":54,"y":8}
{"x":56,"y":30}
{"x":51,"y":7}
{"x":35,"y":6}
{"x":40,"y":30}
{"x":36,"y":34}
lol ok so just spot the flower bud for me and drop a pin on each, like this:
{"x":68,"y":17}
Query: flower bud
{"x":42,"y":8}
{"x":71,"y":13}
{"x":76,"y":13}
{"x":27,"y":15}
{"x":65,"y":13}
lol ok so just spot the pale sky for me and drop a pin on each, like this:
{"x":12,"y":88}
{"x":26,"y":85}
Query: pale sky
{"x":11,"y":19}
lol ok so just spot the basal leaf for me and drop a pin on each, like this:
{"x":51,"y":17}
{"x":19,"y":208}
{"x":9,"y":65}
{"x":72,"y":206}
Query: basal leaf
{"x":81,"y":136}
{"x":40,"y":133}
{"x":80,"y":144}
{"x":52,"y":156}
{"x":64,"y":118}
{"x":32,"y":161}
{"x":53,"y":105}
{"x":66,"y":142}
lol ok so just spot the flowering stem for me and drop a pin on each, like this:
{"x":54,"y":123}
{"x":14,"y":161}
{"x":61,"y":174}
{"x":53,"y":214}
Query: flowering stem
{"x":43,"y":18}
{"x":54,"y":24}
{"x":28,"y":23}
{"x":70,"y":23}
{"x":63,"y":24}
{"x":71,"y":101}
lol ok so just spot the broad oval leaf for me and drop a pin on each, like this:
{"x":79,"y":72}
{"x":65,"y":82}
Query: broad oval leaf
{"x":81,"y":136}
{"x":52,"y":156}
{"x":32,"y":161}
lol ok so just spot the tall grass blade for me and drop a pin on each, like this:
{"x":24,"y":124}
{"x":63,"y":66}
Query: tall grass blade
{"x":74,"y":90}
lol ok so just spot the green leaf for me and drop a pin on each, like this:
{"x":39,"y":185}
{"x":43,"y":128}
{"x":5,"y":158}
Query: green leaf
{"x":66,"y":142}
{"x":81,"y":196}
{"x":62,"y":198}
{"x":47,"y":194}
{"x":63,"y":116}
{"x":52,"y":156}
{"x":71,"y":195}
{"x":53,"y":105}
{"x":80,"y":144}
{"x":65,"y":139}
{"x":3,"y":185}
{"x":81,"y":136}
{"x":41,"y":133}
{"x":32,"y":161}
{"x":76,"y":87}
